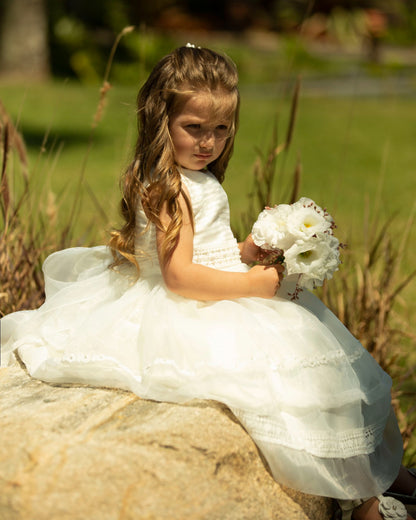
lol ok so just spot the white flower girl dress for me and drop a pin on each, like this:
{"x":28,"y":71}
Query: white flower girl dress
{"x":312,"y":398}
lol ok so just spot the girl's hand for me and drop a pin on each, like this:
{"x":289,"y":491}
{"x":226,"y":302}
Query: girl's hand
{"x":251,"y":253}
{"x":265,"y":280}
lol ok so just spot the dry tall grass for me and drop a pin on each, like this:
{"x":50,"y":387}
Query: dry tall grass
{"x":28,"y":225}
{"x":366,"y":295}
{"x":29,"y":217}
{"x":268,"y":173}
{"x":366,"y":292}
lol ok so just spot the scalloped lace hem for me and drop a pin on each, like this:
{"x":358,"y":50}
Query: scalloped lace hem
{"x":343,"y":444}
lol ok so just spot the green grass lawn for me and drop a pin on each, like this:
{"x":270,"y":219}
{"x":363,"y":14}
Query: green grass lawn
{"x":354,"y":151}
{"x":348,"y":147}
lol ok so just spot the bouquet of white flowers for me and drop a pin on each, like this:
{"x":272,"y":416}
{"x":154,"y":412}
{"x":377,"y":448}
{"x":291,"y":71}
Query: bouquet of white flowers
{"x":301,"y":236}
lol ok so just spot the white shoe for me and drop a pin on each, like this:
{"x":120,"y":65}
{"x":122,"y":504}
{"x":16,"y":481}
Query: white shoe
{"x":388,"y":507}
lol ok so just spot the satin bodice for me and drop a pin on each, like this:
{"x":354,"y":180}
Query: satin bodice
{"x":214,"y":244}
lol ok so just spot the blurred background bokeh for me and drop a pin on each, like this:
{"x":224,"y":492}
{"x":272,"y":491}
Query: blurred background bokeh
{"x":72,"y":38}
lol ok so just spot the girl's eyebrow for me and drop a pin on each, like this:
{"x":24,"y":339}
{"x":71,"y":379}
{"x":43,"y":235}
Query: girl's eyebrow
{"x":213,"y":121}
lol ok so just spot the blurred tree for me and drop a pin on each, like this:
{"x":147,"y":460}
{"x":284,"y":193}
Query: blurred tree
{"x":403,"y":15}
{"x":73,"y":37}
{"x":24,"y":51}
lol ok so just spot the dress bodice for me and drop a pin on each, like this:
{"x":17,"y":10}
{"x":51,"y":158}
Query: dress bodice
{"x":214,"y":243}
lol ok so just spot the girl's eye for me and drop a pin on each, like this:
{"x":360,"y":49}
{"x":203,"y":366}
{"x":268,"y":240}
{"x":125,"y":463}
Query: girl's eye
{"x":221,"y":131}
{"x":193,"y":126}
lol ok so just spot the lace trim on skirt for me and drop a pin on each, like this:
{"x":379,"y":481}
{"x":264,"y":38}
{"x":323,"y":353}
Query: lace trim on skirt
{"x":319,"y":443}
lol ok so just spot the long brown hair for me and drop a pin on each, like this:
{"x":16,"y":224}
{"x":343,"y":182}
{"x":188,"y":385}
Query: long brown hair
{"x":153,"y":177}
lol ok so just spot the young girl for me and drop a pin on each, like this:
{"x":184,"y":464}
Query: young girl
{"x":179,"y":314}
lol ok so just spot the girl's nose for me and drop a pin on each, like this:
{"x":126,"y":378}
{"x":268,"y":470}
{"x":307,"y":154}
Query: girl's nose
{"x":207,"y":139}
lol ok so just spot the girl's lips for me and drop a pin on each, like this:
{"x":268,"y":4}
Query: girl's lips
{"x":203,"y":155}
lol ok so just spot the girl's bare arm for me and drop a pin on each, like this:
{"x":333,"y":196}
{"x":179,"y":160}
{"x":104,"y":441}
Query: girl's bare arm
{"x":200,"y":282}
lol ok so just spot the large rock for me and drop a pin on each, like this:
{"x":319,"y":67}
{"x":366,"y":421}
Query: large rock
{"x":79,"y":453}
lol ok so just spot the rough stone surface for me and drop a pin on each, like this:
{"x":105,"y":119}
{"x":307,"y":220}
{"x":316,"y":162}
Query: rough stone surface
{"x":79,"y":453}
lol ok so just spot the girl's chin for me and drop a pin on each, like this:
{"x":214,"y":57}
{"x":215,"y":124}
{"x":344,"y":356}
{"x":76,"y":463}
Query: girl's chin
{"x":194,"y":169}
{"x":196,"y":165}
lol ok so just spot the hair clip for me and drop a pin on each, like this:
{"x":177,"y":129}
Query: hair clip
{"x":192,"y":46}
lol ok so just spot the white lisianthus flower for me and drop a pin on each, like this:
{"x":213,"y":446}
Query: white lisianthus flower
{"x":316,"y":259}
{"x":306,"y":222}
{"x":305,"y":202}
{"x":270,"y":231}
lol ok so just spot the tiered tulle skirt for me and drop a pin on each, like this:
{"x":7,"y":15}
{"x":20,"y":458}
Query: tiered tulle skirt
{"x":314,"y":401}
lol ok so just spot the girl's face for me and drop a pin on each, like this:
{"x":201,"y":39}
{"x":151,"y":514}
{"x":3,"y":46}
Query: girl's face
{"x":199,"y":133}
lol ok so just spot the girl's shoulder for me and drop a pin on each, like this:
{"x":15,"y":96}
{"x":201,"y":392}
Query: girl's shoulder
{"x":203,"y":188}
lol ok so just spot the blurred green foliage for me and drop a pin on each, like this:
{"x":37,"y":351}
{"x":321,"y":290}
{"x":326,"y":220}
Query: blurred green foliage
{"x":81,"y":33}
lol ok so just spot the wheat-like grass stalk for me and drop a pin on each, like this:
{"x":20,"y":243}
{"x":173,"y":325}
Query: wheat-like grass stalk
{"x":103,"y":93}
{"x":266,"y":174}
{"x":24,"y":241}
{"x":22,"y":246}
{"x":365,"y":295}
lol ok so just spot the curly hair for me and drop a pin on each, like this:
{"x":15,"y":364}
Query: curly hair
{"x":153,"y":177}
